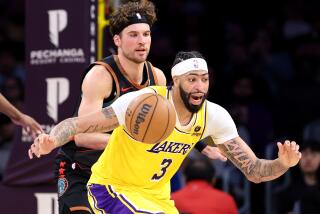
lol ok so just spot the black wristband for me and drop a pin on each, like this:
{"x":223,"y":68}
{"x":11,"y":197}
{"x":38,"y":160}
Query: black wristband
{"x":200,"y":145}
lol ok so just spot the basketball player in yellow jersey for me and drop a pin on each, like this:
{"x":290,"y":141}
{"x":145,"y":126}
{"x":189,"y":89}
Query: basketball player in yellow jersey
{"x":136,"y":176}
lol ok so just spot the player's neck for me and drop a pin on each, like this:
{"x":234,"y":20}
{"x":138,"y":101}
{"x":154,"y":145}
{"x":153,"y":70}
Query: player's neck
{"x":184,"y":115}
{"x":133,"y":71}
{"x":310,"y":179}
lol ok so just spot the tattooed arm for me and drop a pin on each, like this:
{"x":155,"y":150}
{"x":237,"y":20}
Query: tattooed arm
{"x":102,"y":121}
{"x":260,"y":170}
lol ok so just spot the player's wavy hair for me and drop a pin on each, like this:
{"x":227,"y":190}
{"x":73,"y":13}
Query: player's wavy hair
{"x":120,"y":16}
{"x":182,"y":55}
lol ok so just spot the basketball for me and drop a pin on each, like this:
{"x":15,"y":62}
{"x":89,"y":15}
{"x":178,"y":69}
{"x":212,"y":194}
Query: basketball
{"x":150,"y":118}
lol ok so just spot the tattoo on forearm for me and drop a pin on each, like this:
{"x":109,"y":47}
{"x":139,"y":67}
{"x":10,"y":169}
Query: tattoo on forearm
{"x":64,"y":130}
{"x":68,"y":128}
{"x":258,"y":169}
{"x":240,"y":158}
{"x":266,"y":170}
{"x":108,"y":113}
{"x":99,"y":128}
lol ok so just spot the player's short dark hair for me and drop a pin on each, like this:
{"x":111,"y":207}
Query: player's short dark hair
{"x":182,"y":55}
{"x":199,"y":170}
{"x":120,"y":18}
{"x":310,"y":144}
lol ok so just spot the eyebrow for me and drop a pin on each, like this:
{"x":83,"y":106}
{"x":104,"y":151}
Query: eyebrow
{"x":136,"y":31}
{"x":197,"y":74}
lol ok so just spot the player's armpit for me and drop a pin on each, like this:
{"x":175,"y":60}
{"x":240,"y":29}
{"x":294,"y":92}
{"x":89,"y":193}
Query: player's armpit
{"x":256,"y":170}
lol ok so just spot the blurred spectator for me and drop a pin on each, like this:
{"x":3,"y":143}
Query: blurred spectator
{"x":309,"y":203}
{"x":247,"y":107}
{"x":9,"y":67}
{"x":274,"y":66}
{"x":237,"y":57}
{"x":295,"y":24}
{"x":7,"y":130}
{"x":13,"y":90}
{"x":312,"y":131}
{"x":31,"y":126}
{"x":199,"y":196}
{"x":306,"y":183}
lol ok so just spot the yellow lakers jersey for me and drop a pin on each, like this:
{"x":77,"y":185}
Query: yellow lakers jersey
{"x":132,"y":164}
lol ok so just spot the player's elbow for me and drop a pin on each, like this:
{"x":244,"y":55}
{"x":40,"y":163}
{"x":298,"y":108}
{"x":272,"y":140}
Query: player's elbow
{"x":254,"y":179}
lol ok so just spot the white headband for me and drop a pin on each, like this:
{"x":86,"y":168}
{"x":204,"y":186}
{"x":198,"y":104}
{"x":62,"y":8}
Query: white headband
{"x":192,"y":64}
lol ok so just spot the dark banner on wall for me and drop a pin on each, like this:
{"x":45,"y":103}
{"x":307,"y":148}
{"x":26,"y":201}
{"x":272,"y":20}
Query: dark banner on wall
{"x":60,"y":44}
{"x":59,"y":47}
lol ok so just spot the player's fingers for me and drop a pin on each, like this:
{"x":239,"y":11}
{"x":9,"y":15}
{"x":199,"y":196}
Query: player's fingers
{"x":36,"y":149}
{"x":219,"y":155}
{"x":46,"y":139}
{"x":223,"y":158}
{"x":30,"y":153}
{"x":293,"y":145}
{"x":28,"y":130}
{"x":36,"y":142}
{"x":41,"y":139}
{"x":38,"y":127}
{"x":287,"y":145}
{"x":280,"y":147}
{"x":33,"y":150}
{"x":34,"y":134}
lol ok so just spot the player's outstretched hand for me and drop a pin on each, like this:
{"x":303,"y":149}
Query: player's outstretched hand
{"x":42,"y":145}
{"x":29,"y":124}
{"x":289,"y":154}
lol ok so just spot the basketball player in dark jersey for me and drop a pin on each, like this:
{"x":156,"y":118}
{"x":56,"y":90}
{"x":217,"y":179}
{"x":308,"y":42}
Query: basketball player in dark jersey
{"x":104,"y":81}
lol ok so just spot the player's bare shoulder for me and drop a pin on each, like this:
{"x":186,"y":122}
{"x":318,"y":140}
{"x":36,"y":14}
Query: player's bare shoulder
{"x":98,"y":78}
{"x":160,"y":76}
{"x":98,"y":73}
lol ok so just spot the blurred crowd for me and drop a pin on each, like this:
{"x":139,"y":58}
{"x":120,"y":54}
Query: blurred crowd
{"x":264,"y":57}
{"x":12,"y":69}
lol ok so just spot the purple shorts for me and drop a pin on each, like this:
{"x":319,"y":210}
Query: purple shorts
{"x":104,"y":198}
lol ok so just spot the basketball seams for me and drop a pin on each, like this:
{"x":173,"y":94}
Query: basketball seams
{"x":168,"y":122}
{"x":136,"y":108}
{"x":151,"y":117}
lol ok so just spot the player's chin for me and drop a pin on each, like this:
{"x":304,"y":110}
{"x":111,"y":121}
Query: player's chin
{"x":140,"y":59}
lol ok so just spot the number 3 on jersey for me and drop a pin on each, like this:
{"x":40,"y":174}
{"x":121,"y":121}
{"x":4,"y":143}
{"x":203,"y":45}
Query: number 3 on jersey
{"x":165,"y":164}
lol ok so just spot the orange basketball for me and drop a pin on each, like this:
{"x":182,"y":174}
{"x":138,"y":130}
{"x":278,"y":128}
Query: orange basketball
{"x":150,"y":118}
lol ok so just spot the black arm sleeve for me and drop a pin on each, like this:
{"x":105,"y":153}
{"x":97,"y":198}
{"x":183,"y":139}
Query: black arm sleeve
{"x":200,"y":145}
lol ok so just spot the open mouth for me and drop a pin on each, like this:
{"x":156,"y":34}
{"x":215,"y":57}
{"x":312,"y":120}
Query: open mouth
{"x":196,"y":99}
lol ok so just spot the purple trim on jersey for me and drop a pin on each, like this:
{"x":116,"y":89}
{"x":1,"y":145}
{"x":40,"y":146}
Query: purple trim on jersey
{"x":132,"y":207}
{"x":205,"y":120}
{"x":181,"y":131}
{"x":128,"y":134}
{"x":105,"y":201}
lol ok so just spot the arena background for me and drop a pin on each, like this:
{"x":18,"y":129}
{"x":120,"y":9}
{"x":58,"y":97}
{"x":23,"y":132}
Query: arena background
{"x":45,"y":45}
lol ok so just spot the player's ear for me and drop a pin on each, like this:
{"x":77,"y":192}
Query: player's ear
{"x":116,"y":40}
{"x":175,"y":80}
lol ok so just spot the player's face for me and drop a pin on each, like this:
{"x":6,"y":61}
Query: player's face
{"x":310,"y":161}
{"x":194,"y":89}
{"x":134,"y":42}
